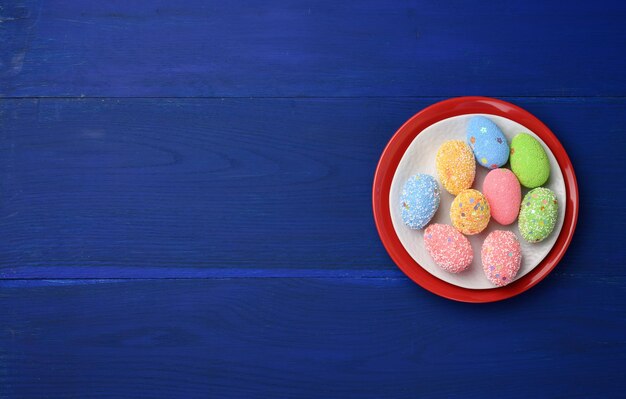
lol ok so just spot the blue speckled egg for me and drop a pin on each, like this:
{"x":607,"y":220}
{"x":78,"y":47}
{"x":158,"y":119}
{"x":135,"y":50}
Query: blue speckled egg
{"x":488,"y":142}
{"x":419,"y":200}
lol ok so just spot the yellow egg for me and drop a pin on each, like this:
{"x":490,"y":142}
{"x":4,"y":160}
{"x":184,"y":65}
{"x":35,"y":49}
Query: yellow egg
{"x":456,"y":166}
{"x":470,"y":212}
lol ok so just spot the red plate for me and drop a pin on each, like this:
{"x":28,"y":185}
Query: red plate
{"x":387,"y":168}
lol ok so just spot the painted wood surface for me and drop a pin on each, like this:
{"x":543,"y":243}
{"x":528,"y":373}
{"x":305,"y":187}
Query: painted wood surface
{"x":312,"y":48}
{"x":185,"y":199}
{"x":308,"y":338}
{"x":112,"y":188}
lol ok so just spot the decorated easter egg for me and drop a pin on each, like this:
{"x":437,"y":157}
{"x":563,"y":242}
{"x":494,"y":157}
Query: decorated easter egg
{"x":419,"y":200}
{"x":529,"y":161}
{"x":488,"y":142}
{"x":538,"y":214}
{"x":450,"y":249}
{"x":470,"y":212}
{"x":456,"y":167}
{"x":504,"y":194}
{"x":501,"y":256}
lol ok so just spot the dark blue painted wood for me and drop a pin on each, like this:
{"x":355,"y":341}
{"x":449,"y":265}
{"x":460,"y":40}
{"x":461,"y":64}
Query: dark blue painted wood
{"x":267,"y":187}
{"x":312,"y":48}
{"x":308,"y":338}
{"x":262,"y":205}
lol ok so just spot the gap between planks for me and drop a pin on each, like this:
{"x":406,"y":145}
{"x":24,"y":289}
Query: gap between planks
{"x":83,"y":97}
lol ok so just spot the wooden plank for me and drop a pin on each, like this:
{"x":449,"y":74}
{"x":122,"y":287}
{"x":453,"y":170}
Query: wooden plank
{"x":307,"y":338}
{"x":105,"y":188}
{"x":321,"y":48}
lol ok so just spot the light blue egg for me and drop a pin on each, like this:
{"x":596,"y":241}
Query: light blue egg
{"x":488,"y":142}
{"x":419,"y":200}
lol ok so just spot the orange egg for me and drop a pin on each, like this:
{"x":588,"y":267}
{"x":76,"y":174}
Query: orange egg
{"x":470,"y":212}
{"x":456,"y":166}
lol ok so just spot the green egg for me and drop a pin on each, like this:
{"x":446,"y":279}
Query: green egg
{"x":538,"y":214}
{"x":529,"y":161}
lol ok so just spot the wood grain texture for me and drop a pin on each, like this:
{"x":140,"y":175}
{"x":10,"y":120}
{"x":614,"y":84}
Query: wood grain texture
{"x":266,"y":187}
{"x":322,"y":48}
{"x":189,"y":214}
{"x":307,"y":338}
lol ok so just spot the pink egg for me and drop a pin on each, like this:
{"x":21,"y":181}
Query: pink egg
{"x":501,"y":256}
{"x":504,"y":194}
{"x":450,"y":249}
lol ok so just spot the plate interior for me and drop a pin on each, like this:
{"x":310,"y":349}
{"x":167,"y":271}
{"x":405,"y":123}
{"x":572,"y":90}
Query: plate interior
{"x":420,"y":158}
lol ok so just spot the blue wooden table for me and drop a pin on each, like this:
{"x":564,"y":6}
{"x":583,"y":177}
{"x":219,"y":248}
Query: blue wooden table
{"x":185,"y":199}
